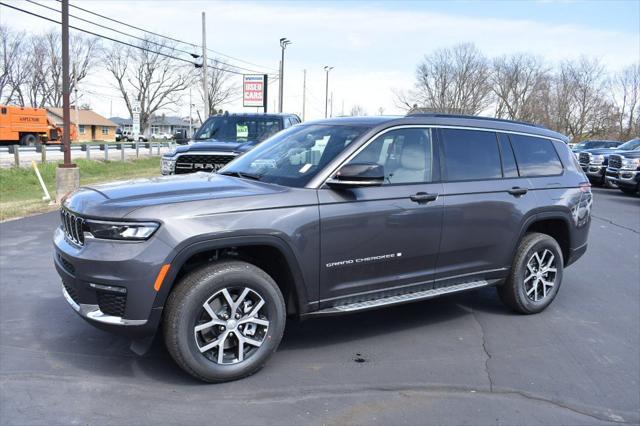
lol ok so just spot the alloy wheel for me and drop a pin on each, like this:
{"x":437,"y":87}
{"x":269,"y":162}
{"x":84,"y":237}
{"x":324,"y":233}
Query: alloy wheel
{"x":540,"y":276}
{"x":231,"y":325}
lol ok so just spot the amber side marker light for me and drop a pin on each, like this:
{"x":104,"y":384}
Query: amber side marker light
{"x":161,"y":276}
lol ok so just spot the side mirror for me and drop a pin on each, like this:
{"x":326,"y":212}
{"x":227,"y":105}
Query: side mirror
{"x":355,"y":175}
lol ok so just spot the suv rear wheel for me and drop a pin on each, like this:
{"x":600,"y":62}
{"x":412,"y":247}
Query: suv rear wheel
{"x":224,"y":321}
{"x":536,"y":274}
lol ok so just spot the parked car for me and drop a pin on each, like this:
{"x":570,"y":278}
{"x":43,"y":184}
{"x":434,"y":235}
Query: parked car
{"x":180,"y":136}
{"x":161,"y":136}
{"x":623,"y":169}
{"x":129,"y":136}
{"x":593,"y":144}
{"x":222,"y":138}
{"x":330,"y":217}
{"x":594,"y":162}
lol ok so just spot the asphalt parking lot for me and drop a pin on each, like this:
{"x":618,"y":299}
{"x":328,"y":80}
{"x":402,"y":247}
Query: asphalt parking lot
{"x":462,"y":359}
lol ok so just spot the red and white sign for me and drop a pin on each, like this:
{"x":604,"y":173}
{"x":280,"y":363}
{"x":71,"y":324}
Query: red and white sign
{"x":253,"y":89}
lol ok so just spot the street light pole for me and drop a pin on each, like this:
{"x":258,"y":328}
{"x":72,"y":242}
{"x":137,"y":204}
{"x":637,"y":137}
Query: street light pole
{"x":205,"y":67}
{"x":326,"y":93}
{"x":284,"y":42}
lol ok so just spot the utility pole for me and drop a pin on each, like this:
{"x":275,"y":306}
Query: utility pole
{"x":326,"y":92}
{"x":67,"y":174}
{"x":75,"y":91}
{"x":205,"y":67}
{"x":284,"y":42}
{"x":304,"y":93}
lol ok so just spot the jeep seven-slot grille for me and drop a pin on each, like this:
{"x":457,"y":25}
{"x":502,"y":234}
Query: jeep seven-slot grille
{"x":73,"y":226}
{"x":111,"y":304}
{"x":615,"y":161}
{"x":585,"y":158}
{"x":201,"y":162}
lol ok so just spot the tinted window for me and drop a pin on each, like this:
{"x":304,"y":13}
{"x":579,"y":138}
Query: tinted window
{"x":470,"y":155}
{"x":509,"y":168}
{"x":405,"y":154}
{"x":239,"y":128}
{"x":535,"y":156}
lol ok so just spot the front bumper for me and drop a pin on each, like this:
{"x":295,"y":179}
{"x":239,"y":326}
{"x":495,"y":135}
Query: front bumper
{"x":623,"y":177}
{"x":110,"y":284}
{"x":594,"y":170}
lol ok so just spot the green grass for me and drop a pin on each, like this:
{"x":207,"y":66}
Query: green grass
{"x":21,"y":194}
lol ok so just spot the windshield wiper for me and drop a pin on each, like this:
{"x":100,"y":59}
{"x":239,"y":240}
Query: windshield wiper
{"x":242,"y":175}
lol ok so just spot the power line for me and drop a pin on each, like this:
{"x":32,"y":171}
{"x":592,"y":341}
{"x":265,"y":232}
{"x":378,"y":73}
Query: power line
{"x":194,"y":55}
{"x":116,"y":40}
{"x":167,"y":37}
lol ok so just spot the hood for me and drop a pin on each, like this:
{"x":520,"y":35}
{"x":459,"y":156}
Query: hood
{"x":118,"y":199}
{"x":214,"y":145}
{"x":629,"y":154}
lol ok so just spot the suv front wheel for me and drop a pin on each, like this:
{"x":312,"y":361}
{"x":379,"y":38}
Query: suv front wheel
{"x":536,"y":274}
{"x":224,"y":321}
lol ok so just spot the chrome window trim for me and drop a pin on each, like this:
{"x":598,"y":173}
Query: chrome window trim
{"x":321,"y":178}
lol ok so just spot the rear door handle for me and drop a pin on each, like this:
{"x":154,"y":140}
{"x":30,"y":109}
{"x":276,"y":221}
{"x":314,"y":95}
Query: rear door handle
{"x":516,"y":191}
{"x":423,"y":197}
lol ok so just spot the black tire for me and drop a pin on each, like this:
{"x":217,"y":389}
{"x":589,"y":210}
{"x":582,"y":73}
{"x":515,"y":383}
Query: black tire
{"x":184,"y":308}
{"x":28,"y":140}
{"x":513,"y":292}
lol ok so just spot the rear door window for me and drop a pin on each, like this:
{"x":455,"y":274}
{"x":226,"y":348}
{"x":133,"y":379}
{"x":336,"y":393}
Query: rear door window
{"x":470,"y":155}
{"x":535,"y":156}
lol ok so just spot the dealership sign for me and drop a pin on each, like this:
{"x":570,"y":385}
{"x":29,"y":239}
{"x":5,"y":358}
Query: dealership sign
{"x":254,"y":90}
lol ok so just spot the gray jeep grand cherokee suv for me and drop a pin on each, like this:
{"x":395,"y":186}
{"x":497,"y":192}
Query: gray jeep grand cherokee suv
{"x":328,"y":217}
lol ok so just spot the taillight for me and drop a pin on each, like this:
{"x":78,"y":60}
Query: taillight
{"x":585,"y":186}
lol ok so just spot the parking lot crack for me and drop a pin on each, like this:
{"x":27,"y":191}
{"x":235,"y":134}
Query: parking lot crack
{"x":609,"y":221}
{"x":484,"y":345}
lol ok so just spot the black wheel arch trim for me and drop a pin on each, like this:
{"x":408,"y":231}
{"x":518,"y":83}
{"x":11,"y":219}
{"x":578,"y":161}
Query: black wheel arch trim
{"x":559,"y":213}
{"x":207,"y":243}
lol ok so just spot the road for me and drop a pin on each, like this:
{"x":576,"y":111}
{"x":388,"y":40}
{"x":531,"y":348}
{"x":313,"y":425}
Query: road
{"x":463,"y":359}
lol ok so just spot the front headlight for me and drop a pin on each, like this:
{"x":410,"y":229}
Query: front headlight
{"x":167,"y":165}
{"x":630,"y":163}
{"x":597,"y":159}
{"x":130,"y":231}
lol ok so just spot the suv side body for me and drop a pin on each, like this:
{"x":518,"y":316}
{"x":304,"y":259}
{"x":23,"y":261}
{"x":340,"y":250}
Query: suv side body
{"x":212,"y":152}
{"x":332,"y":250}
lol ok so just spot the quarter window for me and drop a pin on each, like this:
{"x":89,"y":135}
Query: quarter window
{"x":535,"y":156}
{"x":405,"y":154}
{"x":470,"y":155}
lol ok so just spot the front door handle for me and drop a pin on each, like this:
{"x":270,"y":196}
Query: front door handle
{"x":423,"y":197}
{"x":516,"y":191}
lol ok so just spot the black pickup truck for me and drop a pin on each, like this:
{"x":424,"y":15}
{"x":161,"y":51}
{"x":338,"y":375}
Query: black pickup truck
{"x":624,"y":169}
{"x":221,"y":139}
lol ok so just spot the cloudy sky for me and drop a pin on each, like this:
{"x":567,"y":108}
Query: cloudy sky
{"x":374,"y":46}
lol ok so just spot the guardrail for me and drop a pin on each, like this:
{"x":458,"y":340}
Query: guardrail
{"x":148,"y":148}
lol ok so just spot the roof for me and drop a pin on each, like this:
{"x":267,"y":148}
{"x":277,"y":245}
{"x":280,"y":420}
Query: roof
{"x":446,"y":120}
{"x":85,"y":117}
{"x":156,"y":120}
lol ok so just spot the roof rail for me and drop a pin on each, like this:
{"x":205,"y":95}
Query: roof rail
{"x":473,"y":117}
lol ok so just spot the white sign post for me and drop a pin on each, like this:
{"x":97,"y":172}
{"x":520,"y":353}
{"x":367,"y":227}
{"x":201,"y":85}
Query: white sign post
{"x":135,"y":122}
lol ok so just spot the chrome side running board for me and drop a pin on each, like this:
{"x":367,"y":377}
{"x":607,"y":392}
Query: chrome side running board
{"x":402,"y":298}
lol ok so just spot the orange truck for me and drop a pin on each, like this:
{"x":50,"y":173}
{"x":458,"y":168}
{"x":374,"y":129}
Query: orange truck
{"x":27,"y":126}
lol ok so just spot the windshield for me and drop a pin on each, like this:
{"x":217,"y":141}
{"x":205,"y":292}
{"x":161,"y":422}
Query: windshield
{"x":631,"y":145}
{"x":293,"y":157}
{"x":238,"y":128}
{"x":595,"y":144}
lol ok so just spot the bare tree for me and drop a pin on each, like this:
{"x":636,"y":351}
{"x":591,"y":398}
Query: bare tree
{"x":518,"y":82}
{"x":358,"y":110}
{"x":144,"y":74}
{"x":11,"y":45}
{"x":625,"y":90}
{"x":454,"y":80}
{"x":221,"y":89}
